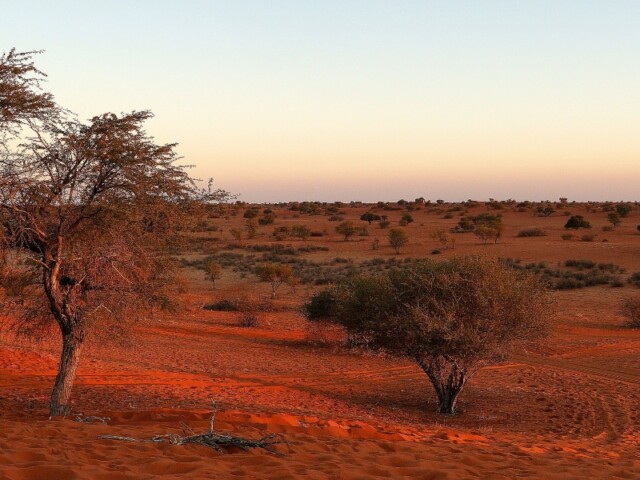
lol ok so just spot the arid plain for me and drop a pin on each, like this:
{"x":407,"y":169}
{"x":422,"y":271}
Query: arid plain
{"x":564,"y":408}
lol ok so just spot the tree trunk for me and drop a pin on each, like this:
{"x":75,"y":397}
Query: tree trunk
{"x":448,"y":379}
{"x":72,"y":343}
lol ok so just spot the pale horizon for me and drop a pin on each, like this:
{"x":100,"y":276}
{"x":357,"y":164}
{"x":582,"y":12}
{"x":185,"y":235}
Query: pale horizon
{"x":368,"y":101}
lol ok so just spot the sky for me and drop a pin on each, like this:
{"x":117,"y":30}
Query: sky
{"x":372,"y":100}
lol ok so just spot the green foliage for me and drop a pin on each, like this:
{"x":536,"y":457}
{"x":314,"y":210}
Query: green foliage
{"x":577,"y":221}
{"x":448,"y":316}
{"x":406,"y":219}
{"x":369,"y":217}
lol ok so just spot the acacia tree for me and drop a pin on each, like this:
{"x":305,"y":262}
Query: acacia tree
{"x":276,"y":274}
{"x":213,"y":272}
{"x":348,"y":229}
{"x":87,"y":208}
{"x":450,"y":317}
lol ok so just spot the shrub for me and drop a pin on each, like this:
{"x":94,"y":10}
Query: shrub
{"x":226,"y":305}
{"x":634,"y":279}
{"x":532,"y":232}
{"x":566,"y":236}
{"x":631,"y":311}
{"x":267,"y":219}
{"x":248,"y":320}
{"x":577,"y":221}
{"x":623,"y":209}
{"x":587,"y":238}
{"x":300,"y":231}
{"x":386,"y":223}
{"x":398,"y":238}
{"x":406,"y":218}
{"x":614,"y":218}
{"x":580,"y":264}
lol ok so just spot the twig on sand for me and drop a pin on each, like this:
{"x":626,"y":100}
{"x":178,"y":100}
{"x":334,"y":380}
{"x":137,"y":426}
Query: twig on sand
{"x":91,"y":419}
{"x":219,"y":442}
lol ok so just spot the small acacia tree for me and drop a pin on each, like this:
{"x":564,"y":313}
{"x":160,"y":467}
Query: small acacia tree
{"x":369,"y":217}
{"x":398,"y":238}
{"x":86,"y":209}
{"x":347,"y":229}
{"x":451,"y":317}
{"x":213,"y":272}
{"x":274,"y":273}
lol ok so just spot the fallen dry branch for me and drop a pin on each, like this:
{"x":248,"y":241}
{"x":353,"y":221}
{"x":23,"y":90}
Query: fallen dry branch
{"x":216,"y":441}
{"x":92,"y":419}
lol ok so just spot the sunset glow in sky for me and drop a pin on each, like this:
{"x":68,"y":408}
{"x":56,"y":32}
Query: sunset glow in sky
{"x":361,"y":100}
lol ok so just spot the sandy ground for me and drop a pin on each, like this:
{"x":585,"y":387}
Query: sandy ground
{"x":565,"y":409}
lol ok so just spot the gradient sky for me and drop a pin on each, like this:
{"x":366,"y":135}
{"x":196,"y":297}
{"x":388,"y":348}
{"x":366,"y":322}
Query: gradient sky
{"x":361,"y":100}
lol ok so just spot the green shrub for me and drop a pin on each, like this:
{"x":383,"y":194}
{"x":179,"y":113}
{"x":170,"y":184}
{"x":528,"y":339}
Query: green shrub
{"x":577,"y":221}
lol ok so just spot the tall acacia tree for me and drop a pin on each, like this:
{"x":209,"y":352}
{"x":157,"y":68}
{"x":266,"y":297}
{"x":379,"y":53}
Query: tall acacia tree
{"x":87,"y":209}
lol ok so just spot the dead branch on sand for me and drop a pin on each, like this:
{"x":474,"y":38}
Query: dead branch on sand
{"x":91,"y":419}
{"x":219,"y":442}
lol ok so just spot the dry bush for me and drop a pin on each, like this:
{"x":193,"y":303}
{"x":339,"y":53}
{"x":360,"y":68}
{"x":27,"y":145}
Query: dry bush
{"x":532,"y":232}
{"x":248,"y":320}
{"x":631,"y":311}
{"x":324,"y":333}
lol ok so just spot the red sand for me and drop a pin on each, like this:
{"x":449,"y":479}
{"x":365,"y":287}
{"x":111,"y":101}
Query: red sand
{"x":569,"y":409}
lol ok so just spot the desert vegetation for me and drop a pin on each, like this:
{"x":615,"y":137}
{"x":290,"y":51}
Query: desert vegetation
{"x":449,"y":317}
{"x":316,"y":319}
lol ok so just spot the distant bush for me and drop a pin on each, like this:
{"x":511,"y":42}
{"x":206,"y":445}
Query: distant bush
{"x":267,"y":219}
{"x":634,"y":279}
{"x":248,"y":320}
{"x":577,"y":221}
{"x":386,"y":223}
{"x":623,"y":209}
{"x":588,"y":238}
{"x":369,"y":217}
{"x":631,"y":311}
{"x":532,"y":232}
{"x":580,"y":264}
{"x":226,"y":305}
{"x":566,"y":236}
